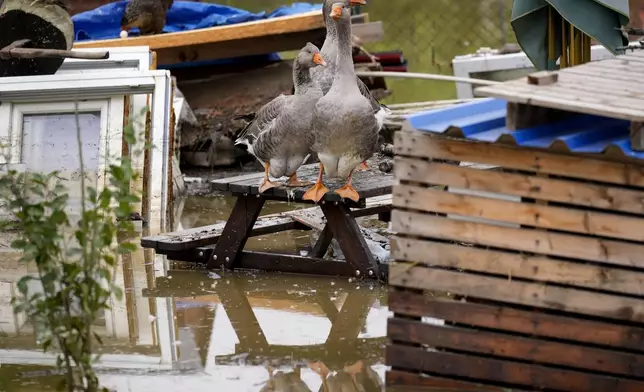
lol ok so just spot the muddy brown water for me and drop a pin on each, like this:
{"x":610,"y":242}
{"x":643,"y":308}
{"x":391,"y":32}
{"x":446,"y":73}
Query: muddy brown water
{"x":178,"y":327}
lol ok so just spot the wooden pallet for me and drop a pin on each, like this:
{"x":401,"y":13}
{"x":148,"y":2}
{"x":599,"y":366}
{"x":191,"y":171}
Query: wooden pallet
{"x":544,"y":293}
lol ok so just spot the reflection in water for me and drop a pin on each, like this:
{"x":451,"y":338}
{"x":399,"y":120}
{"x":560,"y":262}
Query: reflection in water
{"x":180,"y":328}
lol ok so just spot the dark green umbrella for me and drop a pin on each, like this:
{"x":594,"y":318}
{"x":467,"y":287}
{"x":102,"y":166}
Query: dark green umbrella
{"x":596,"y":19}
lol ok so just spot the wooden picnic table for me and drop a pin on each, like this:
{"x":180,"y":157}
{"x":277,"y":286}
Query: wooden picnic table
{"x":222,"y":246}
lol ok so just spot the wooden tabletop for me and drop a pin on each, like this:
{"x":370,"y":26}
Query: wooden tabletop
{"x":610,"y":88}
{"x":369,"y":183}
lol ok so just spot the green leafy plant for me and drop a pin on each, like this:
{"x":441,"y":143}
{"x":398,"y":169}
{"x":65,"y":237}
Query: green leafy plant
{"x":75,"y":256}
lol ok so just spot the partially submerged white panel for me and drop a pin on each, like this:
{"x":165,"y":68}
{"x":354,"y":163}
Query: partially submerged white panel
{"x":49,"y":98}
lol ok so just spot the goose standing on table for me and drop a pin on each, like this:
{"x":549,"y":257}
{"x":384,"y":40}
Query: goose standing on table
{"x":324,"y":76}
{"x":277,"y":134}
{"x":344,"y":131}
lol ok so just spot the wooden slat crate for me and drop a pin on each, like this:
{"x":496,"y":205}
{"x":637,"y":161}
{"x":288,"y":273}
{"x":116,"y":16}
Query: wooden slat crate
{"x":545,"y":293}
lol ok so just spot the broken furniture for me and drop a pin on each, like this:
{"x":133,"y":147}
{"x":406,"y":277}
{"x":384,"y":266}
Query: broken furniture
{"x":198,"y":244}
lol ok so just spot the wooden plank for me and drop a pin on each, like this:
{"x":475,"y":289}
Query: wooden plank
{"x":371,"y":183}
{"x":567,"y":94}
{"x":516,"y":292}
{"x":525,"y":349}
{"x":596,"y":106}
{"x":208,"y":235}
{"x":528,"y":214}
{"x":523,"y":240}
{"x":424,"y":145}
{"x":570,"y":83}
{"x":504,"y":372}
{"x":282,"y":25}
{"x":627,"y":57}
{"x":412,"y":382}
{"x":623,"y":67}
{"x":527,"y":322}
{"x":582,"y":194}
{"x":600,"y":73}
{"x":221,"y":184}
{"x":568,"y":87}
{"x":636,"y":134}
{"x":514,"y":265}
{"x":267,"y":224}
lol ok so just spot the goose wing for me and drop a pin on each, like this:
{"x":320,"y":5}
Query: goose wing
{"x":264,"y":117}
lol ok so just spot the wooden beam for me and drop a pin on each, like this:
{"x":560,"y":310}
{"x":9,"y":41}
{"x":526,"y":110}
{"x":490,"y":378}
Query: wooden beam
{"x":637,"y":135}
{"x":288,"y":24}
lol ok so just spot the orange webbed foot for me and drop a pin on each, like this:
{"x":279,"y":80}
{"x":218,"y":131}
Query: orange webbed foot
{"x":316,"y":193}
{"x":363,"y":167}
{"x":348,"y":192}
{"x":354,"y":369}
{"x":320,"y":368}
{"x":268,"y":184}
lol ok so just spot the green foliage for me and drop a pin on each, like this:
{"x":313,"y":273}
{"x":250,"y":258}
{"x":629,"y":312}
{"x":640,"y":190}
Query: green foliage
{"x":76,"y":257}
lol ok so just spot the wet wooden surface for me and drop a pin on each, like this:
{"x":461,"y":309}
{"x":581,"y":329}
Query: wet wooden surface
{"x":542,"y":254}
{"x":604,"y":88}
{"x":519,"y":321}
{"x":369,"y":183}
{"x":302,"y":219}
{"x":508,"y":373}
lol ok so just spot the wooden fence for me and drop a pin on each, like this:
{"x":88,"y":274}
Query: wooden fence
{"x":540,"y":285}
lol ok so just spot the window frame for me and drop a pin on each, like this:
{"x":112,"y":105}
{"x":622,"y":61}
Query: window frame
{"x":49,"y":89}
{"x":133,"y":58}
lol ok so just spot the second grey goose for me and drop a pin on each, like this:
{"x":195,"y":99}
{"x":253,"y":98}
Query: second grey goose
{"x":277,"y":134}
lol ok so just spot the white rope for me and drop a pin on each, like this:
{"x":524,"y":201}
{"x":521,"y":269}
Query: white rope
{"x":425,"y":76}
{"x":410,"y":105}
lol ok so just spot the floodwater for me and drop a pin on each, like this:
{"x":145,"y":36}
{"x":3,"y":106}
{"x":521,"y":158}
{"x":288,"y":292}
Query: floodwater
{"x":181,"y":328}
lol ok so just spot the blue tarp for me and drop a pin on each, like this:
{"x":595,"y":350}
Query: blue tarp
{"x":104,"y":22}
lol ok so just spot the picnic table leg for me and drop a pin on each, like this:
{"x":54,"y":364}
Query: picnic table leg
{"x":346,"y":231}
{"x":352,"y":316}
{"x":242,"y":318}
{"x":236,"y":232}
{"x":328,"y":307}
{"x":323,"y":243}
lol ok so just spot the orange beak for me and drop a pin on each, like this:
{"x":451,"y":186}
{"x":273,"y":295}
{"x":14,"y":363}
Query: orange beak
{"x":317,"y":59}
{"x":354,"y":3}
{"x":336,"y":12}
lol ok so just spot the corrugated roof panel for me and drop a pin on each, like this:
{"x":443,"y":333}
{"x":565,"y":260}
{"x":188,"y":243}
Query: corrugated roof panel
{"x":484,"y":120}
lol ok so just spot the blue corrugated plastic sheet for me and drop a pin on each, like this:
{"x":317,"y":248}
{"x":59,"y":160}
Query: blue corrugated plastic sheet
{"x":484,"y":120}
{"x":104,"y":22}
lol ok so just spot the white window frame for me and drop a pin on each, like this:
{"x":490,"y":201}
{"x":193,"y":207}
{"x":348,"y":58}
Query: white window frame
{"x":53,"y":93}
{"x":104,"y":85}
{"x":132,"y":58}
{"x":111,"y":123}
{"x":465,"y":66}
